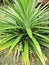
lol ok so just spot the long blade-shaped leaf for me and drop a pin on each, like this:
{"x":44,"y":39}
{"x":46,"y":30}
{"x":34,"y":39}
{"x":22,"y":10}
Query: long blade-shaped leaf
{"x":5,"y":46}
{"x":7,"y":38}
{"x":38,"y":53}
{"x":36,"y":45}
{"x":25,"y":54}
{"x":42,"y":36}
{"x":15,"y":43}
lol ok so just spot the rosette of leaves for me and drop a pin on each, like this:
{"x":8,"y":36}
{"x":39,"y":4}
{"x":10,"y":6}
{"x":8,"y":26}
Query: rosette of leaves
{"x":27,"y":25}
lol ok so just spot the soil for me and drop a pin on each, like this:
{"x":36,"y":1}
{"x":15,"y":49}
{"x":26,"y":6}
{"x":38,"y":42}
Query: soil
{"x":10,"y":60}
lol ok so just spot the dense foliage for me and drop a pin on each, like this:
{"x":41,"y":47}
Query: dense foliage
{"x":27,"y":25}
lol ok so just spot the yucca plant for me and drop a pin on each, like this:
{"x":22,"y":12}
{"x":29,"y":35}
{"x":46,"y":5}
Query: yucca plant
{"x":27,"y":25}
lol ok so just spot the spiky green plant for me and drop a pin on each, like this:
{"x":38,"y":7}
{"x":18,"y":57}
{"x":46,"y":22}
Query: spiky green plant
{"x":27,"y":25}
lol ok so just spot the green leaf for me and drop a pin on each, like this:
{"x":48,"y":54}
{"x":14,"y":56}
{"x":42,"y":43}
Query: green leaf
{"x":9,"y":14}
{"x":7,"y":38}
{"x":42,"y":36}
{"x":38,"y":52}
{"x":35,"y":46}
{"x":5,"y":46}
{"x":16,"y":41}
{"x":25,"y":54}
{"x":41,"y":27}
{"x":4,"y":27}
{"x":44,"y":43}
